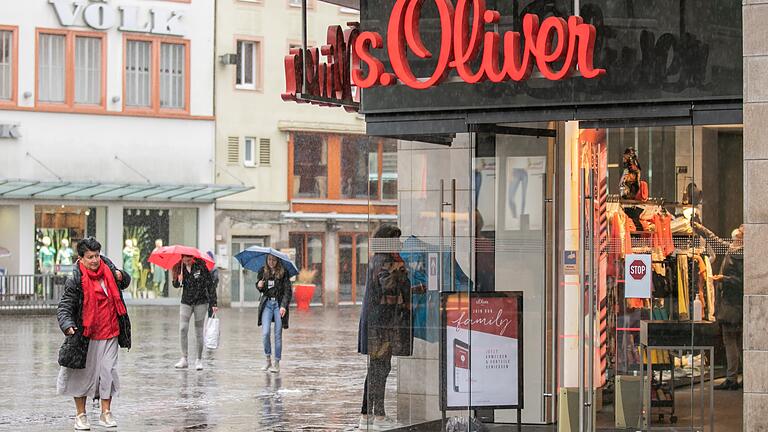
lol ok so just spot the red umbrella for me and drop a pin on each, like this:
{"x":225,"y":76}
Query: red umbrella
{"x":168,"y":256}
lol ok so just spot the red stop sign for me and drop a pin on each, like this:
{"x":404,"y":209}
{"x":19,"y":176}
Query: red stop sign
{"x":637,"y":269}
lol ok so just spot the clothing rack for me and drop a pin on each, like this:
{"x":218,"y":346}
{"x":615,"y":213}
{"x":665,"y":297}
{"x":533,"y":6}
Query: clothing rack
{"x":614,"y":198}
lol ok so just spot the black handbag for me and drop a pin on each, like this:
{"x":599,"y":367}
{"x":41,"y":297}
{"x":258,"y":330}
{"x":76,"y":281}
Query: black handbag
{"x":74,"y":351}
{"x":124,"y":338}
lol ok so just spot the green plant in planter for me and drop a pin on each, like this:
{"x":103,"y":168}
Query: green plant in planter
{"x":306,"y":276}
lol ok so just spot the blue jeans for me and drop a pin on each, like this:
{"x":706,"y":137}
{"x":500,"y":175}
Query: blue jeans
{"x":272,"y":312}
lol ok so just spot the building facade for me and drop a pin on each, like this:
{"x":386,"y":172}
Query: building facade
{"x":310,"y":169}
{"x":104,"y":133}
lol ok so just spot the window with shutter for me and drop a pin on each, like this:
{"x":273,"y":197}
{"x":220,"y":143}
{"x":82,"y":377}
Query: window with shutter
{"x":265,"y":151}
{"x":233,"y":150}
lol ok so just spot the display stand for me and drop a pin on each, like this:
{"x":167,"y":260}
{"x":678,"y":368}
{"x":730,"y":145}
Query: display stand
{"x":678,"y":336}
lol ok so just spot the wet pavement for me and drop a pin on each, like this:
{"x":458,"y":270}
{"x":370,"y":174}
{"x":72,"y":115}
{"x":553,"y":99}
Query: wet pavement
{"x":318,"y":388}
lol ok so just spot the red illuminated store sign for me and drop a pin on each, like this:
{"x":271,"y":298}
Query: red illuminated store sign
{"x":555,"y":46}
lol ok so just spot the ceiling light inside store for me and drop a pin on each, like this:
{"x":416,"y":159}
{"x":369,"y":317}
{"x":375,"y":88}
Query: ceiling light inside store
{"x":128,"y":212}
{"x":87,"y":212}
{"x":146,"y":212}
{"x":159,"y":212}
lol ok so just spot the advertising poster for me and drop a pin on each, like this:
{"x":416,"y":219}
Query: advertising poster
{"x":482,"y":350}
{"x":525,"y":189}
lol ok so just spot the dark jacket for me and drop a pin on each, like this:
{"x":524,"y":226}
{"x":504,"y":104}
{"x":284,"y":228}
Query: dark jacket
{"x":282,"y":290}
{"x":729,"y":306}
{"x":385,"y":320}
{"x":199,"y":287}
{"x":72,"y":353}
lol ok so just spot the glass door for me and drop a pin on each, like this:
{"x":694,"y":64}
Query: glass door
{"x":243,"y":282}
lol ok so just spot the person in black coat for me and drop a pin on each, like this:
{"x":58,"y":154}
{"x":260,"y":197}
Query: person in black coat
{"x":385,"y":327}
{"x":92,"y":315}
{"x":274,"y":284}
{"x":197,"y":298}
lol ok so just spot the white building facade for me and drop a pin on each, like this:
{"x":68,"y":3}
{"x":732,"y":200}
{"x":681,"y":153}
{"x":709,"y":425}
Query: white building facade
{"x":106,"y":129}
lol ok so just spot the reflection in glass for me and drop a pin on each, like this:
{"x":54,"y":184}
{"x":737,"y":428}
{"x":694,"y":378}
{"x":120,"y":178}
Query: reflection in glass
{"x":310,"y":166}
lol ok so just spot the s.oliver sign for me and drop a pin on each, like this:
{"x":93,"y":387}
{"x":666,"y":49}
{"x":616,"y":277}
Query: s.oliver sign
{"x":555,"y":46}
{"x":637,"y":276}
{"x":101,"y":15}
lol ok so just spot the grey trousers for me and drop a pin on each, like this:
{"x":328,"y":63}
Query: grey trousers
{"x":185,"y":313}
{"x":732,"y":339}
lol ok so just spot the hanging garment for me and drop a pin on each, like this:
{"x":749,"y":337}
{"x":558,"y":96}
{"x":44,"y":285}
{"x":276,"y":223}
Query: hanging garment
{"x":682,"y":286}
{"x":710,"y":290}
{"x":701,"y":283}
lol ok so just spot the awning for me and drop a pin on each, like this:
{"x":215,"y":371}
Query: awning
{"x":344,"y":217}
{"x":32,"y":189}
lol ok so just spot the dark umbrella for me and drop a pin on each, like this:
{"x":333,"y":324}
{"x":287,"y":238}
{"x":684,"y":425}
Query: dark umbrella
{"x":255,"y":257}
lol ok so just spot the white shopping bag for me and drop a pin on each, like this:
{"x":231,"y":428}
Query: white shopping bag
{"x":212,"y":333}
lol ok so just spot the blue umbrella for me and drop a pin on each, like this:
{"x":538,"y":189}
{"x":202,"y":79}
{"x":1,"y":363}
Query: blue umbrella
{"x":255,"y":257}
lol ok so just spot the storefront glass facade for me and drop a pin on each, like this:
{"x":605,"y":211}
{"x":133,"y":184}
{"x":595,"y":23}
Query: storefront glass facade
{"x":58,"y":229}
{"x":145,"y":229}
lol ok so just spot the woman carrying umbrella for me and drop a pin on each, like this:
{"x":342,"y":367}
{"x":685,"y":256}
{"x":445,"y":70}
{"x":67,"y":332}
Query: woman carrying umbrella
{"x":274,"y":283}
{"x":198,"y":295}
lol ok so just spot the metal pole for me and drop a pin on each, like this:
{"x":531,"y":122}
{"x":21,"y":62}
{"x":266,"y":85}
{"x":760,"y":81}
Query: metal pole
{"x":303,"y":47}
{"x":592,"y":289}
{"x":453,"y":239}
{"x":582,"y":279}
{"x":441,"y":232}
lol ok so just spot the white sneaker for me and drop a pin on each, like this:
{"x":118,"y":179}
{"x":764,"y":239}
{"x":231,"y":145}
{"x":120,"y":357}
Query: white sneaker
{"x":82,"y":423}
{"x":275,"y":367}
{"x":107,"y":420}
{"x":267,"y":366}
{"x":364,"y":423}
{"x":182,"y":364}
{"x":199,"y":364}
{"x":383,"y":424}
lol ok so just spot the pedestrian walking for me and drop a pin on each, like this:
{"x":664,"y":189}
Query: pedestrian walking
{"x":93,"y":316}
{"x":274,"y":283}
{"x":385,"y":326}
{"x":198,"y":296}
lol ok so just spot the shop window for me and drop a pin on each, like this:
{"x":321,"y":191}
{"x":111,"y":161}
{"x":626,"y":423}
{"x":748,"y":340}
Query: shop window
{"x":310,"y":166}
{"x":58,"y":229}
{"x":248,"y":54}
{"x":249,"y":159}
{"x":156,"y":74}
{"x":310,"y":250}
{"x":144,"y":229}
{"x":8,"y":60}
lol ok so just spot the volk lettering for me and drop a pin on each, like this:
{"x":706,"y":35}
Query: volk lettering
{"x":130,"y":16}
{"x":65,"y":13}
{"x":166,"y":22}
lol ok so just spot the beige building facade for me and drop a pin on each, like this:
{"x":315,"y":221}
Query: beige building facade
{"x":291,"y":154}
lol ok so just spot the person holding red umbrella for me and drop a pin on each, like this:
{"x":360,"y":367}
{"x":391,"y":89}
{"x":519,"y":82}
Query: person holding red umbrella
{"x":198,"y":296}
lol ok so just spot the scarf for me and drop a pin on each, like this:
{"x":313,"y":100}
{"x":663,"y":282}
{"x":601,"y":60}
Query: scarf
{"x":90,"y":282}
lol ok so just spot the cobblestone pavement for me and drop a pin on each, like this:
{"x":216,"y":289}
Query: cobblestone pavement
{"x":319,"y":387}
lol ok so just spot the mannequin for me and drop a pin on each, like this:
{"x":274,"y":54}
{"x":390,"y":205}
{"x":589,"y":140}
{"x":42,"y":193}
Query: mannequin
{"x":65,"y":257}
{"x":137,"y":270}
{"x":45,"y":256}
{"x":158,"y":273}
{"x":129,"y":265}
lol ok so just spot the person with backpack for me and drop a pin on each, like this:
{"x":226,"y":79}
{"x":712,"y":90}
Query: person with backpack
{"x":93,"y":316}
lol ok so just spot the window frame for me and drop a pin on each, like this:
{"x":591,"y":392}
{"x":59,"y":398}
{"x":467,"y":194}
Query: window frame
{"x":253,"y":146}
{"x":14,"y":100}
{"x":69,"y":104}
{"x":258,"y":66}
{"x":157,"y":42}
{"x":333,"y":169}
